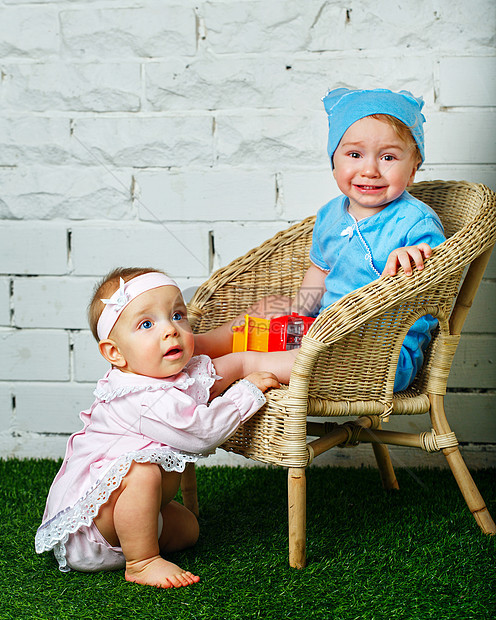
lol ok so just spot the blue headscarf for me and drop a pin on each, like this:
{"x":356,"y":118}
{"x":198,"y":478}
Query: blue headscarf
{"x":344,"y":107}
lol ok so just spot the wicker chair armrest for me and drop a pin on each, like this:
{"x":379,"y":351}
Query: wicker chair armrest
{"x":369,"y":303}
{"x":374,"y":299}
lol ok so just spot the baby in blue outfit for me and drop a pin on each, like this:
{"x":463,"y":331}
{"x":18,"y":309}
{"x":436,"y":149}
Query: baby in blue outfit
{"x":376,"y":145}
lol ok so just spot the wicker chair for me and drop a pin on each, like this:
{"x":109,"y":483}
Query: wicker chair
{"x":346,"y":365}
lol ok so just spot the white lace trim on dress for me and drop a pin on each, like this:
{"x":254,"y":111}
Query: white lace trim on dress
{"x":199,"y":373}
{"x":106,"y":395}
{"x":257,"y":394}
{"x":54,"y":533}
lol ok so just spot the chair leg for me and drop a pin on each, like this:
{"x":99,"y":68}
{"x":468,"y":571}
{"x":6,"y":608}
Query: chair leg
{"x":470,"y":491}
{"x":383,"y":458}
{"x":297,"y":516}
{"x":386,"y":471}
{"x":188,"y":489}
{"x":460,"y":471}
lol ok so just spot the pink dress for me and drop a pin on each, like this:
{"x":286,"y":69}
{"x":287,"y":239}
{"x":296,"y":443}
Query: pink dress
{"x":139,"y":419}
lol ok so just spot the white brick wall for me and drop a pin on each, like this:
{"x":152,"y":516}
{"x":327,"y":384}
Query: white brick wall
{"x":4,"y":302}
{"x":133,"y":131}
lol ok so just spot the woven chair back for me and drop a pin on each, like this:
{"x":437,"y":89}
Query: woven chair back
{"x":276,"y":267}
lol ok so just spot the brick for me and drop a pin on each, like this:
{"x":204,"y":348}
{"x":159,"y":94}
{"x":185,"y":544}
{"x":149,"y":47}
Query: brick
{"x":34,"y":139}
{"x":129,"y":32}
{"x":76,"y":192}
{"x":464,"y":26}
{"x":89,"y":365}
{"x":258,"y":82}
{"x":235,"y":239}
{"x":211,"y":195}
{"x":44,"y":247}
{"x":145,"y":141}
{"x":467,"y":81}
{"x":460,"y":137}
{"x":362,"y":25}
{"x":6,"y":414}
{"x":51,"y":407}
{"x":46,"y":2}
{"x":302,"y":193}
{"x":264,"y":81}
{"x":23,"y":2}
{"x":4,"y":302}
{"x":82,"y":87}
{"x":181,"y":250}
{"x":272,"y":140}
{"x":32,"y":445}
{"x":34,"y":355}
{"x":474,"y":365}
{"x":258,"y":26}
{"x":471,"y":416}
{"x":491,"y":267}
{"x":58,"y":303}
{"x":482,"y":316}
{"x":29,"y":32}
{"x":474,"y":173}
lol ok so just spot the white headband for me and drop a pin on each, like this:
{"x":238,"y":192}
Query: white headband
{"x":124,"y":295}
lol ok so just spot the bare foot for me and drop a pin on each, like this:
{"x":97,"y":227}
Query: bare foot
{"x":158,"y":572}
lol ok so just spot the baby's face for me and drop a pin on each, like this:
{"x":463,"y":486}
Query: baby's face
{"x":153,"y":334}
{"x":373,"y":166}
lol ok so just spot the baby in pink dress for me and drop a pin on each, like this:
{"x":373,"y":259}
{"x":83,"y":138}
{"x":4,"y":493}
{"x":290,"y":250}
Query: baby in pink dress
{"x":111,"y":504}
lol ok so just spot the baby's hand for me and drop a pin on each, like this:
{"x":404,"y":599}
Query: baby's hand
{"x":263,"y":380}
{"x":402,"y":257}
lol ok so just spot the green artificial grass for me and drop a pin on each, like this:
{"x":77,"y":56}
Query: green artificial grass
{"x":416,"y":553}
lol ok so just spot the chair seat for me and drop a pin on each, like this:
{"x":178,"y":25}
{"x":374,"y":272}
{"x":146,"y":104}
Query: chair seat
{"x":276,"y":436}
{"x":409,"y":402}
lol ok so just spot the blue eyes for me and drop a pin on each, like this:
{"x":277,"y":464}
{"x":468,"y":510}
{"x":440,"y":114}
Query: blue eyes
{"x":147,"y":324}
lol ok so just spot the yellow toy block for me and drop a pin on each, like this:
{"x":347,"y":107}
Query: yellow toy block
{"x":252,"y":336}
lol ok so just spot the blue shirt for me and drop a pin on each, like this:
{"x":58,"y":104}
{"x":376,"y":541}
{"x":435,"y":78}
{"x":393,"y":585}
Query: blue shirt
{"x":355,"y":253}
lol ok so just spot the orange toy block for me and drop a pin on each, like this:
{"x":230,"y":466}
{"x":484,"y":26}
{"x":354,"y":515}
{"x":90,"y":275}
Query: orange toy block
{"x":252,"y":336}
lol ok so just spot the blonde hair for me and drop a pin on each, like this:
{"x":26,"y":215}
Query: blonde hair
{"x":107,"y":286}
{"x":402,"y":131}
